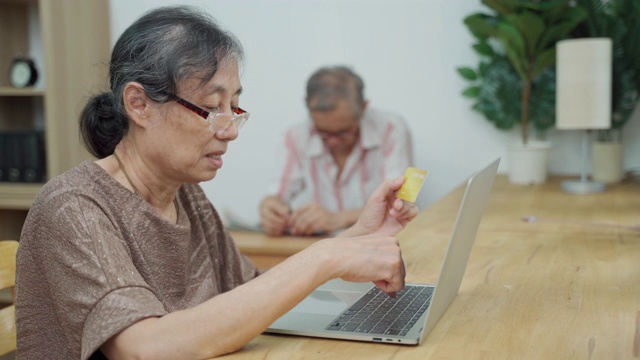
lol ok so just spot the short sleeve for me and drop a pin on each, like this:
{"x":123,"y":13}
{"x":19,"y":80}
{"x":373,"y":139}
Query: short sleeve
{"x":115,"y":312}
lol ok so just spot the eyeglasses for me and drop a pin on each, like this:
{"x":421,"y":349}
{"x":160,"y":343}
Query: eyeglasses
{"x":341,"y":135}
{"x":217,"y":121}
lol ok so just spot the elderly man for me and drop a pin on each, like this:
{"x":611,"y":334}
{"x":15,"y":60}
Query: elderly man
{"x":336,"y":160}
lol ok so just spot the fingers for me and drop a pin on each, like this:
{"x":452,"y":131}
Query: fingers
{"x":374,"y":257}
{"x":312,"y":219}
{"x":273,"y":227}
{"x":274,"y":215}
{"x":396,"y":206}
{"x":298,"y":222}
{"x":280,"y":209}
{"x":394,"y":184}
{"x":409,"y":214}
{"x":304,"y":221}
{"x":405,"y":210}
{"x":395,"y":280}
{"x":394,"y":283}
{"x":387,"y":188}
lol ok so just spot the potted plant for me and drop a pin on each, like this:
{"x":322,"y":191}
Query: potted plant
{"x":620,"y":21}
{"x":515,"y":80}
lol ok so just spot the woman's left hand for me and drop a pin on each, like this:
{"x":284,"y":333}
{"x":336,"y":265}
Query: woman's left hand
{"x":384,"y":212}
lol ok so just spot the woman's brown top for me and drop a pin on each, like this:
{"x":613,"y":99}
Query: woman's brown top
{"x":94,"y":258}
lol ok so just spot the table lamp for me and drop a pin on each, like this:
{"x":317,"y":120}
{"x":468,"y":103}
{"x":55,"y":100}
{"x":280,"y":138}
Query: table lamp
{"x":583,"y":96}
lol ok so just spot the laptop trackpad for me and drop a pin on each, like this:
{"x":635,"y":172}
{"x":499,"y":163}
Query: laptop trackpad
{"x":327,"y":302}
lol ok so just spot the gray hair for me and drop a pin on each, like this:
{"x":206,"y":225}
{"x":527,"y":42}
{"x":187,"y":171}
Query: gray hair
{"x":160,"y":50}
{"x":329,"y":84}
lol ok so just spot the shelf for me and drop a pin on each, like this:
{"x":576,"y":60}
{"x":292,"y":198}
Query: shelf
{"x":21,"y":2}
{"x":69,"y":41}
{"x":9,"y":91}
{"x":18,"y":196}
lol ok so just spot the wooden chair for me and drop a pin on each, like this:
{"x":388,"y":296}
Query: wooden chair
{"x":8,"y":249}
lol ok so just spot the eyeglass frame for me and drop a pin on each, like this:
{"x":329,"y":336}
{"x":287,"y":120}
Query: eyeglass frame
{"x":238,"y":118}
{"x":341,"y":135}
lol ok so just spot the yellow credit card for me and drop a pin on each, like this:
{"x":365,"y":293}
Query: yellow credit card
{"x":414,"y":178}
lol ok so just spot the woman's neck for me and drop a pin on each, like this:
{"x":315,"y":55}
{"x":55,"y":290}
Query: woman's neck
{"x":131,"y":171}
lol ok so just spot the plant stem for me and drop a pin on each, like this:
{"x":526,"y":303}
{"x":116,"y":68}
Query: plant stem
{"x":524,"y":116}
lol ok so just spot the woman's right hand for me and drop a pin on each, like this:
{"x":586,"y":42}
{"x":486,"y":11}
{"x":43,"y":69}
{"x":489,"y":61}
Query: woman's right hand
{"x":373,"y":257}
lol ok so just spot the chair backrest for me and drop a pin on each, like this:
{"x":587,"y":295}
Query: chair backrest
{"x":8,"y":249}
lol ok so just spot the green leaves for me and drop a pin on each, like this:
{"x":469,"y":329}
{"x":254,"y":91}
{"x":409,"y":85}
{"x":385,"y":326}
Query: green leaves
{"x":530,"y":28}
{"x":481,"y":25}
{"x":543,"y":61}
{"x":562,"y":26}
{"x":497,"y":91}
{"x":468,"y":73}
{"x":483,"y":48}
{"x":502,"y":7}
{"x":516,"y":42}
{"x":620,"y":21}
{"x":472,"y":92}
{"x":526,"y":32}
{"x":499,"y":96}
{"x":512,"y":39}
{"x":471,"y":75}
{"x":543,"y":100}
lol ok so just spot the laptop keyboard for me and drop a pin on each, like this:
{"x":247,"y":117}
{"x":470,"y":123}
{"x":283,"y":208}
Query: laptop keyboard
{"x":377,"y":313}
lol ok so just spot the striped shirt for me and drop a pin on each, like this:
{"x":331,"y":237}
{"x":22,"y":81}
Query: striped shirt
{"x":309,"y":172}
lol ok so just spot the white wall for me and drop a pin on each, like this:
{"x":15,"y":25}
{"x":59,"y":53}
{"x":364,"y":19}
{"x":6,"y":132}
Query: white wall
{"x":406,"y":51}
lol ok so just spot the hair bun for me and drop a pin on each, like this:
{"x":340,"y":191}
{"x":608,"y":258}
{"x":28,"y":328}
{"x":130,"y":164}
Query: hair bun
{"x":102,"y":126}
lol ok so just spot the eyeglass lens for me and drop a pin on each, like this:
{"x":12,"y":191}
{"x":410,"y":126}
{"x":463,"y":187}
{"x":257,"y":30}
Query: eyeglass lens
{"x":222,"y":121}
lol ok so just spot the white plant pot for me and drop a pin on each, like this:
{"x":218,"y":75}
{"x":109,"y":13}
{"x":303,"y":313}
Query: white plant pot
{"x":607,"y":162}
{"x":528,"y":164}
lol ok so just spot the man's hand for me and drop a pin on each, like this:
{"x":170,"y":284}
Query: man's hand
{"x":274,"y":215}
{"x":312,"y":219}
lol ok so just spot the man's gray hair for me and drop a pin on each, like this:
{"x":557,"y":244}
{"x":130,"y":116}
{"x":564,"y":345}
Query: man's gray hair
{"x":329,"y":84}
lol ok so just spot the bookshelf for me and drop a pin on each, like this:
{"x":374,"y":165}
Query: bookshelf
{"x":69,"y":41}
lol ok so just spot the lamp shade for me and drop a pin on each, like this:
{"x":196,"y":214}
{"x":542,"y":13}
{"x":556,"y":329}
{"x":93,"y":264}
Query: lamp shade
{"x":583,"y":89}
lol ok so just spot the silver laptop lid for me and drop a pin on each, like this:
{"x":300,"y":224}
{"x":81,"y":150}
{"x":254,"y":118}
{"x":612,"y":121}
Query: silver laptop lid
{"x":464,"y":232}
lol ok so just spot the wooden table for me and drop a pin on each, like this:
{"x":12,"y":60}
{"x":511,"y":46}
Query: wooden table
{"x":267,"y":251}
{"x":564,"y":287}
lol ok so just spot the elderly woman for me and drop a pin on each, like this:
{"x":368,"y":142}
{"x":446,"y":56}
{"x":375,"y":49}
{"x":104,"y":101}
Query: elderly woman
{"x":125,"y":257}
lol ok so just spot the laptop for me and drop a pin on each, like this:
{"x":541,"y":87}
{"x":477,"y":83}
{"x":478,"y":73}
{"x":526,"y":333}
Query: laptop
{"x":360,"y":311}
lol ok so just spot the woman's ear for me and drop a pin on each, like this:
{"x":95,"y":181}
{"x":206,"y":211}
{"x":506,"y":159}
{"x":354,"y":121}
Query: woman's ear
{"x":136,"y":103}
